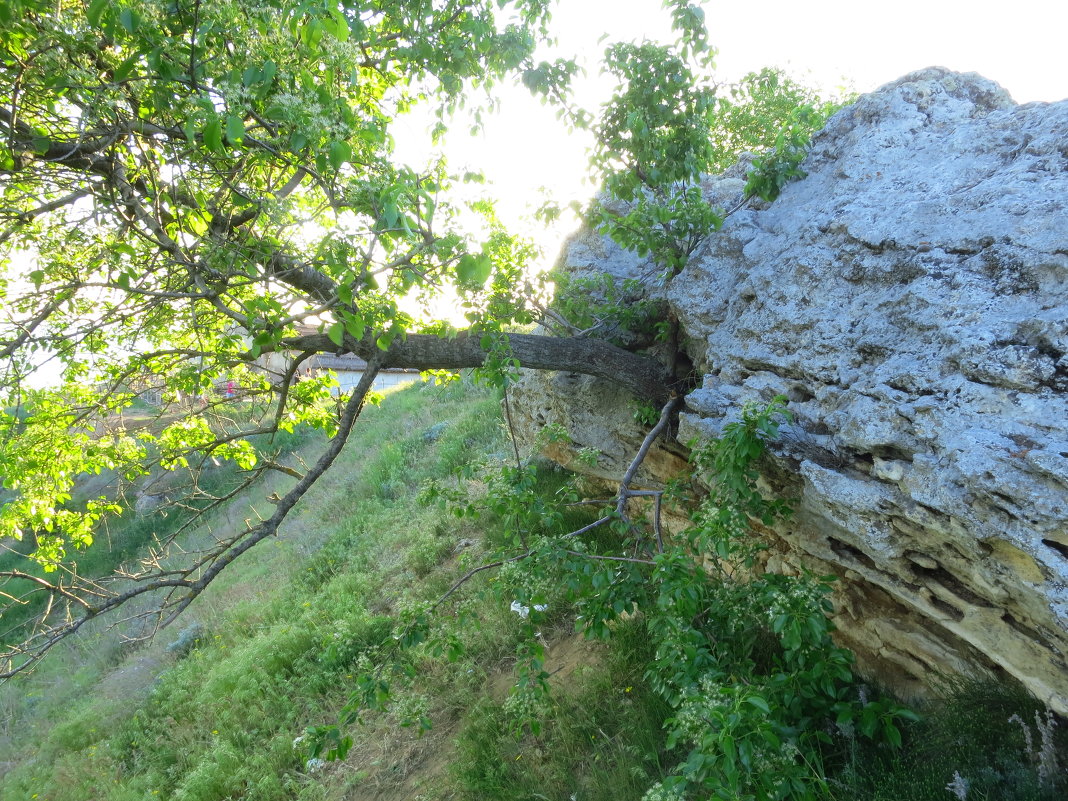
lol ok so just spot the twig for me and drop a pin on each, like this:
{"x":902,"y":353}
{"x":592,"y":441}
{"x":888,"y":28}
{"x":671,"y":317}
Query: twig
{"x":601,"y":558}
{"x":624,"y":486}
{"x":656,"y":524}
{"x":511,"y":429}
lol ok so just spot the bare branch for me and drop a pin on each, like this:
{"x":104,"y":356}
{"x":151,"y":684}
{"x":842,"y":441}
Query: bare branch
{"x":624,"y":486}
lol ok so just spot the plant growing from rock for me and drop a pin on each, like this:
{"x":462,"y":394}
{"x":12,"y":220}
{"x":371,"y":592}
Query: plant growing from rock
{"x":744,"y":659}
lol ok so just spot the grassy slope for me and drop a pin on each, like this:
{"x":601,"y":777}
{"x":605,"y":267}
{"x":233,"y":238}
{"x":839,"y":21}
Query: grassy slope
{"x":293,"y":622}
{"x":286,"y":630}
{"x":122,"y":539}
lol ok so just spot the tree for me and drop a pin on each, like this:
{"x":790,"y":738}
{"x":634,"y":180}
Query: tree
{"x":190,"y":182}
{"x":197,"y":186}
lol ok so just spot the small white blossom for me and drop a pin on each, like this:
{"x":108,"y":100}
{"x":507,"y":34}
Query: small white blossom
{"x":959,"y":786}
{"x":660,"y":793}
{"x":524,"y":611}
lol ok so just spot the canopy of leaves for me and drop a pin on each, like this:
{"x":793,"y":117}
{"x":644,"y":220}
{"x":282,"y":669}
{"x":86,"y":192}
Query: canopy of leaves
{"x":187,"y":186}
{"x":670,"y":124}
{"x":204,"y":195}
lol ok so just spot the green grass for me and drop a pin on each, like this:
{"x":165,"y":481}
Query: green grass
{"x":599,"y":736}
{"x":278,"y":657}
{"x":965,"y":730}
{"x":286,"y":631}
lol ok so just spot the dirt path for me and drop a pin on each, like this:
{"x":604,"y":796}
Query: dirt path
{"x":409,"y":768}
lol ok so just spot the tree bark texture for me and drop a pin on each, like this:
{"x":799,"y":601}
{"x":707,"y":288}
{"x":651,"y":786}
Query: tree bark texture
{"x":642,"y":375}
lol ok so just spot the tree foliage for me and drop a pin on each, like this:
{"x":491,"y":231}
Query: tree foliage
{"x":190,"y":188}
{"x":670,"y":124}
{"x":187,"y":188}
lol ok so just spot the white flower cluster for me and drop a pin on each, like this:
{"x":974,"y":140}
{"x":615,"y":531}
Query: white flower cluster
{"x":523,"y":706}
{"x":341,"y":55}
{"x":797,"y":596}
{"x":959,"y":786}
{"x":411,"y":708}
{"x":714,"y":705}
{"x":774,"y":762}
{"x":305,"y":112}
{"x":710,"y":702}
{"x":658,"y":792}
{"x":363,"y":664}
{"x":234,"y":95}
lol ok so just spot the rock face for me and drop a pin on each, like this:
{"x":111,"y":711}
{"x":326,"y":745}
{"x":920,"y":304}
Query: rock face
{"x":910,"y":298}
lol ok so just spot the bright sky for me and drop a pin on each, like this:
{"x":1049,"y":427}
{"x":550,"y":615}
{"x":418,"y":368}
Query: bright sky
{"x":860,"y":44}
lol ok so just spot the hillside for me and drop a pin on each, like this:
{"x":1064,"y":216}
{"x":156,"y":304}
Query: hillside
{"x":212,"y":707}
{"x":219,"y":705}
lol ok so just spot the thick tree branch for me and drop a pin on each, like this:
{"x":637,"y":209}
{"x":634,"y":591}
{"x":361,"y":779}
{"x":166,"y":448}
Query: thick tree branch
{"x":643,"y":376}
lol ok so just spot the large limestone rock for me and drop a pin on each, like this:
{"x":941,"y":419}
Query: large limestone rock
{"x":910,"y":297}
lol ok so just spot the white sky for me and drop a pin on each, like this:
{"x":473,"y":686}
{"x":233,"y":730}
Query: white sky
{"x":860,"y":44}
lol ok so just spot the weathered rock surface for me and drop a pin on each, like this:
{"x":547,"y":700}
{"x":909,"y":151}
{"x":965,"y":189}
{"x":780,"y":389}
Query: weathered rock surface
{"x":910,"y":297}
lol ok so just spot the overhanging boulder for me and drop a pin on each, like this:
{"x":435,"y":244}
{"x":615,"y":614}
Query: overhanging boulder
{"x":910,"y":297}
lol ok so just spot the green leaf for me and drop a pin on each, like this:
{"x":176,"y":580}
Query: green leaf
{"x":268,"y":72}
{"x":122,"y":72}
{"x":390,"y":213}
{"x":96,"y":11}
{"x":474,"y":270}
{"x":893,"y":735}
{"x":759,"y":703}
{"x":213,"y":135}
{"x":336,"y":332}
{"x":197,"y":222}
{"x":340,"y":152}
{"x":341,"y":26}
{"x":129,"y":19}
{"x":235,"y":130}
{"x":355,"y":328}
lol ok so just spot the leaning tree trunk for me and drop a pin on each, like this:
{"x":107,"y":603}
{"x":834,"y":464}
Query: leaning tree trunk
{"x":642,"y":375}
